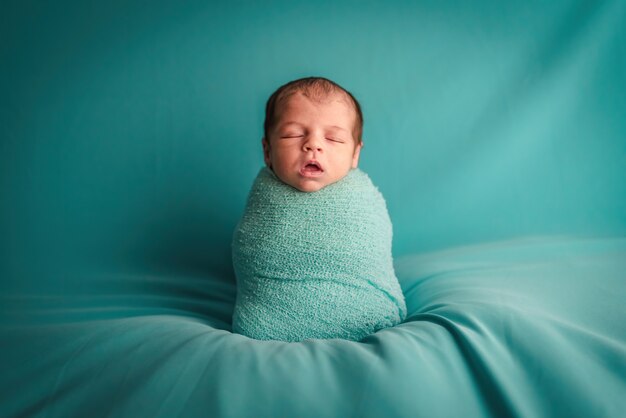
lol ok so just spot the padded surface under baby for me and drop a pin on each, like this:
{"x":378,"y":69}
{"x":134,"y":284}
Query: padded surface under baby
{"x":315,"y":265}
{"x":525,"y":328}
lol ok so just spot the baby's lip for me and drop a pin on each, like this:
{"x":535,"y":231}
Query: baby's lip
{"x":312,"y":168}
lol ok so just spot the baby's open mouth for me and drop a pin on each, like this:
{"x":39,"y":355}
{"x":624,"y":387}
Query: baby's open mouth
{"x":311,"y":168}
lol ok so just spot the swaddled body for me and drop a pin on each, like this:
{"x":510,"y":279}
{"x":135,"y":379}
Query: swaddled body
{"x":315,"y":265}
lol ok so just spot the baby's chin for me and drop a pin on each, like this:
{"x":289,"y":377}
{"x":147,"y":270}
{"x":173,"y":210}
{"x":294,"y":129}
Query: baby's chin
{"x":305,"y":184}
{"x":309,"y":186}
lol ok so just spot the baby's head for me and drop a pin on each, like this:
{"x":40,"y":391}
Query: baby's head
{"x":313,"y":131}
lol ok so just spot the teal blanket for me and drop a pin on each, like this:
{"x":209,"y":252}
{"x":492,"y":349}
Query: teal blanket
{"x":315,"y":265}
{"x":524,"y":328}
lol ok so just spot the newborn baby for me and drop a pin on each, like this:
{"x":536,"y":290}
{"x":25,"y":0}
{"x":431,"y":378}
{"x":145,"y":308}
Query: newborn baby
{"x":312,"y":252}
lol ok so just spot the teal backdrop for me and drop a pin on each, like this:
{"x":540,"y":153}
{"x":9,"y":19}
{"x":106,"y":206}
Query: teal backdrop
{"x":130,"y":131}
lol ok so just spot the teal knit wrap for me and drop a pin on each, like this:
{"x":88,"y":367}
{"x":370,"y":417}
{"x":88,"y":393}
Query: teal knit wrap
{"x":315,"y":265}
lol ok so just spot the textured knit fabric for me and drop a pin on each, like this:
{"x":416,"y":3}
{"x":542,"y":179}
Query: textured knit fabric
{"x":315,"y":265}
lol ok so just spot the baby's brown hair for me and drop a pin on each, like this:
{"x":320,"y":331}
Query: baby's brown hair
{"x":314,"y":88}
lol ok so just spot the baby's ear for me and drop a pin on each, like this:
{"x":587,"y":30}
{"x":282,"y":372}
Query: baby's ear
{"x":357,"y":153}
{"x":266,"y":152}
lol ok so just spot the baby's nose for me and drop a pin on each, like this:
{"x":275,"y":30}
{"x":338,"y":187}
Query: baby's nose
{"x":312,"y":147}
{"x":313,"y":144}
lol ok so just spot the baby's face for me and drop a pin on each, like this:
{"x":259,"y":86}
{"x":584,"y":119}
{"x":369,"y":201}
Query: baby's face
{"x":311,"y":145}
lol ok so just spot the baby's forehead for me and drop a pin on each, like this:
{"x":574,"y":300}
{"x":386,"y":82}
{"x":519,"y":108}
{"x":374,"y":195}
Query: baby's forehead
{"x":322,"y":99}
